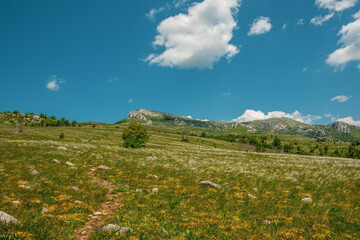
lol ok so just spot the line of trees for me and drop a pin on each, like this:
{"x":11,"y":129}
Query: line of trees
{"x":262,"y":145}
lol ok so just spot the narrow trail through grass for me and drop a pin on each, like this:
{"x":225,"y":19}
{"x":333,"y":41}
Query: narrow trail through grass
{"x":107,"y":210}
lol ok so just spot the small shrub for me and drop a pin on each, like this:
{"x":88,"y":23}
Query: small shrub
{"x":62,"y":135}
{"x":135,"y":135}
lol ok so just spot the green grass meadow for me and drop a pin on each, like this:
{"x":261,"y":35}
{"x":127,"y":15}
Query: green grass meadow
{"x":261,"y":196}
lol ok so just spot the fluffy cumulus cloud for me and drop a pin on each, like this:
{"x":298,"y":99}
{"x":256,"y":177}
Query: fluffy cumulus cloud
{"x":319,"y":20}
{"x":350,"y":51}
{"x":341,"y":98}
{"x":349,"y":120}
{"x":199,"y":38}
{"x":357,"y":15}
{"x":54,"y":83}
{"x":260,"y":25}
{"x":251,"y":115}
{"x":336,"y":5}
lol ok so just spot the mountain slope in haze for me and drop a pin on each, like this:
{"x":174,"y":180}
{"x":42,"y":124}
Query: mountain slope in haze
{"x":337,"y":130}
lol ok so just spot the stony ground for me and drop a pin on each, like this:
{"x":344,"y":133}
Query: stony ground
{"x":155,"y":192}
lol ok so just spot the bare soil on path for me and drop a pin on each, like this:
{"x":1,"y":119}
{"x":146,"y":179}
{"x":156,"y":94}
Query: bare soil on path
{"x":107,"y":210}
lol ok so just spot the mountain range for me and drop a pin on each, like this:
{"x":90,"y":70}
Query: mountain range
{"x":337,"y":130}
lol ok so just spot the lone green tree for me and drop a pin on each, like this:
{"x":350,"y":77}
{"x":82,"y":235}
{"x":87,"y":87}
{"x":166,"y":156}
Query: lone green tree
{"x":135,"y":135}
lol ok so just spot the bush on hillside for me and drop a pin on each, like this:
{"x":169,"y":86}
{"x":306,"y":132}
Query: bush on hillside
{"x":135,"y":135}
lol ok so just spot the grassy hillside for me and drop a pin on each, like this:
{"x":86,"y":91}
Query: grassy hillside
{"x":261,"y":195}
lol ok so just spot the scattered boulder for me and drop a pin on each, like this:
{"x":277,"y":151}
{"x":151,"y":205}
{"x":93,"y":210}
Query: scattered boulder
{"x":76,"y":189}
{"x":78,"y":202}
{"x":125,"y":230}
{"x":69,"y":163}
{"x":34,"y":172}
{"x":307,"y":200}
{"x":255,"y":189}
{"x":44,"y":210}
{"x":251,"y":196}
{"x":103,"y":167}
{"x":25,"y":187}
{"x":116,"y":228}
{"x":97,"y":213}
{"x":267,"y":222}
{"x":56,"y":161}
{"x":62,"y":148}
{"x":15,"y":202}
{"x":152,"y":176}
{"x":111,"y":228}
{"x":7,"y":219}
{"x":151,"y":158}
{"x":155,"y":190}
{"x":138,"y":191}
{"x":210,"y":184}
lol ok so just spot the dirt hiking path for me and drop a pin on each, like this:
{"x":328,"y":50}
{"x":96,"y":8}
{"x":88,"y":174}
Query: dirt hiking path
{"x":107,"y":210}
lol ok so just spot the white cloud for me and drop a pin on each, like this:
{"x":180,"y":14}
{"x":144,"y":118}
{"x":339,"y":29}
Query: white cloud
{"x":153,"y":12}
{"x":260,"y":25}
{"x":328,"y":115}
{"x":199,"y":38}
{"x":300,"y":22}
{"x":336,"y":5}
{"x":350,"y":39}
{"x":305,"y":69}
{"x":54,"y":83}
{"x":130,"y":100}
{"x":341,"y":98}
{"x":319,"y":20}
{"x":227,"y":94}
{"x":284,"y":26}
{"x":349,"y":120}
{"x":113,"y":79}
{"x":251,"y":115}
{"x":359,"y":66}
{"x":180,"y":3}
{"x":356,"y":15}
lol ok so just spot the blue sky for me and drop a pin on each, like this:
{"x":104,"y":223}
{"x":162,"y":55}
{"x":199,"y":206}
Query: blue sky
{"x":98,"y":60}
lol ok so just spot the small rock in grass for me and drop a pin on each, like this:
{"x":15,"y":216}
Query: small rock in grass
{"x":76,"y":189}
{"x":44,"y":210}
{"x":152,"y":176}
{"x":299,"y":188}
{"x":210,"y":184}
{"x":111,"y":228}
{"x":151,"y":158}
{"x":155,"y":190}
{"x":15,"y":202}
{"x":56,"y":161}
{"x":125,"y":230}
{"x":255,"y":189}
{"x":308,"y":200}
{"x":97,"y":213}
{"x":138,"y":191}
{"x":103,"y":167}
{"x":7,"y":219}
{"x":62,"y":148}
{"x":34,"y":172}
{"x":77,"y":201}
{"x":251,"y":196}
{"x":25,"y":187}
{"x":267,"y":222}
{"x":69,"y":163}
